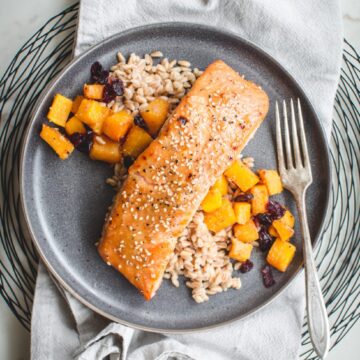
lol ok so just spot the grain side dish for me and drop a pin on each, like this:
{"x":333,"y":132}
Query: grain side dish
{"x":187,"y":203}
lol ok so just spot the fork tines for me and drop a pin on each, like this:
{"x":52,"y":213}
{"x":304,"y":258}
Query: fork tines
{"x":295,"y":149}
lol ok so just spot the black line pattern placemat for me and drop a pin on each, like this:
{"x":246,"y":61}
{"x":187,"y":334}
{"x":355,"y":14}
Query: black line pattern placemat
{"x":46,"y":53}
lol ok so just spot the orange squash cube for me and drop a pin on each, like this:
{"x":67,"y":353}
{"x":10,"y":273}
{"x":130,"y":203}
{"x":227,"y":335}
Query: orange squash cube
{"x":212,"y":201}
{"x":241,"y":175}
{"x":221,"y":218}
{"x":221,"y":184}
{"x":58,"y":142}
{"x":285,"y":232}
{"x":59,"y":110}
{"x":240,"y":251}
{"x":74,"y":125}
{"x":288,"y":219}
{"x":155,"y":115}
{"x":281,"y":254}
{"x":93,"y":114}
{"x":117,"y":125}
{"x":246,"y":233}
{"x":136,"y":142}
{"x":272,"y":180}
{"x":242,"y":212}
{"x":76,"y":103}
{"x":93,"y":91}
{"x":104,"y":149}
{"x":272,"y":231}
{"x":260,"y":199}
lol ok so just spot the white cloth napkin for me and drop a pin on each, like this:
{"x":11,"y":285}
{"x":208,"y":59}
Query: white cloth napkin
{"x":306,"y":37}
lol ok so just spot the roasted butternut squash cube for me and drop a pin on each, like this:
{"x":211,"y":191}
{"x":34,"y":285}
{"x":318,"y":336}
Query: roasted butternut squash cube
{"x":136,"y":142}
{"x":272,"y":231}
{"x":155,"y":115}
{"x":288,"y":219}
{"x":59,"y":110}
{"x":281,"y":254}
{"x":221,"y":218}
{"x":104,"y":149}
{"x":76,"y":103}
{"x":117,"y":125}
{"x":240,"y":251}
{"x":272,"y":180}
{"x":285,"y":232}
{"x":241,"y":175}
{"x":93,"y":114}
{"x":58,"y":142}
{"x":246,"y":233}
{"x":221,"y":184}
{"x":93,"y":91}
{"x":260,"y":199}
{"x":212,"y":201}
{"x":74,"y":125}
{"x":242,"y":212}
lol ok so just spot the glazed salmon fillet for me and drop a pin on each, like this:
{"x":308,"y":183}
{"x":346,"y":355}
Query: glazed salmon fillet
{"x":168,"y":181}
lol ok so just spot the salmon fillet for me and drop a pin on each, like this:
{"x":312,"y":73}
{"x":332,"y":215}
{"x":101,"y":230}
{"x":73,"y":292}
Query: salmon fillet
{"x":168,"y":181}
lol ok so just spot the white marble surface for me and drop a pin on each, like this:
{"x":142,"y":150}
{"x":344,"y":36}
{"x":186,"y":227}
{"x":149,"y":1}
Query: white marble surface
{"x":19,"y":21}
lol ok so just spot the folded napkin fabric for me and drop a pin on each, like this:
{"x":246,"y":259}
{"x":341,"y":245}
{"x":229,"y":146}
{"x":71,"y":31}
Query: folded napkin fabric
{"x":306,"y":37}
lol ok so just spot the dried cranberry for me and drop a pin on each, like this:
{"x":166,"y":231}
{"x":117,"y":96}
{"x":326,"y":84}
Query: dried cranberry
{"x":244,"y":197}
{"x":128,"y":160}
{"x":263,"y":219}
{"x":108,"y":93}
{"x":98,"y":74}
{"x":77,"y":139}
{"x":265,"y":240}
{"x":246,"y":266}
{"x":117,"y":85}
{"x":140,"y":122}
{"x":96,"y":68}
{"x":267,"y":275}
{"x":276,"y":210}
{"x":82,"y":142}
{"x":86,"y":145}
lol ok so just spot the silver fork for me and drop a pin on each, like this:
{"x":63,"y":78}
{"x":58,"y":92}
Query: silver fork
{"x":296,"y":176}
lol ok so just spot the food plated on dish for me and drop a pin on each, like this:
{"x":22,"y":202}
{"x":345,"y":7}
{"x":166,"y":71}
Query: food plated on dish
{"x":187,"y":203}
{"x":65,"y":201}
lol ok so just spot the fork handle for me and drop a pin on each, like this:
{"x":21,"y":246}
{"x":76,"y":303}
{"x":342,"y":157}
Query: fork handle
{"x":316,"y":311}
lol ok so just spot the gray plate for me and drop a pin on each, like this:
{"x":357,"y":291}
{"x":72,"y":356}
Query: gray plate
{"x":65,"y":201}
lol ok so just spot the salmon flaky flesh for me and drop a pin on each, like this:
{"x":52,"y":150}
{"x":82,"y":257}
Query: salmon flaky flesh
{"x":169,"y":180}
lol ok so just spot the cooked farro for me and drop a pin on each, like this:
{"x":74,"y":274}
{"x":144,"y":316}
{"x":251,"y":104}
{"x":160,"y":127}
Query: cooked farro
{"x":202,"y":258}
{"x":248,"y":161}
{"x":145,"y":80}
